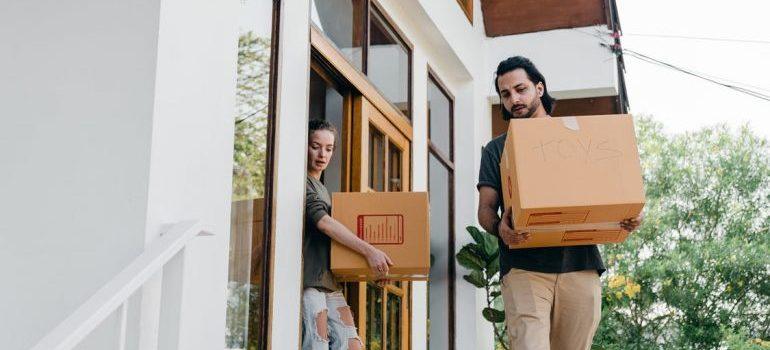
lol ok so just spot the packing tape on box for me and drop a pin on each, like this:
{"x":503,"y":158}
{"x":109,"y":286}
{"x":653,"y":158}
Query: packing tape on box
{"x":574,"y":227}
{"x":570,"y":123}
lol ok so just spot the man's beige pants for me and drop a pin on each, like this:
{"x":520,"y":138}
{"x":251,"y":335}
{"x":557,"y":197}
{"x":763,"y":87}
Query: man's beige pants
{"x":556,"y":311}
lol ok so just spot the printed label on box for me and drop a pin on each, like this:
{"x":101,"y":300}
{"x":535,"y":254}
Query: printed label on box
{"x":381,"y":229}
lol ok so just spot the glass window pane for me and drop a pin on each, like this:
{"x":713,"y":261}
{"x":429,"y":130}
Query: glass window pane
{"x":327,"y":103}
{"x":342,"y":22}
{"x":438,"y":188}
{"x":394,"y":169}
{"x":439,"y":114}
{"x":388,"y":63}
{"x":247,"y":252}
{"x":376,"y":159}
{"x":374,"y":321}
{"x":394,"y":322}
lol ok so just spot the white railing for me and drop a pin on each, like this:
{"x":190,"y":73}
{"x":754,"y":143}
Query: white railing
{"x":115,"y":294}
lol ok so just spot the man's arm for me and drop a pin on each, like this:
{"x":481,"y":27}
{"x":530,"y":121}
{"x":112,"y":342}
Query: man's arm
{"x":493,"y":223}
{"x":377,"y":259}
{"x":487,"y":214}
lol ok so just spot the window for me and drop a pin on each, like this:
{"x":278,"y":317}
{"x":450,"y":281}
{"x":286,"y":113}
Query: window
{"x":388,"y":62}
{"x":441,"y":191}
{"x":368,"y":42}
{"x":327,"y":101}
{"x":248,"y":277}
{"x":342,"y":21}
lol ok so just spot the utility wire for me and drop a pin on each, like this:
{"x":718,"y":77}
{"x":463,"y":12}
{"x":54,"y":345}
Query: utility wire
{"x":603,"y":37}
{"x":658,"y":62}
{"x":733,"y":40}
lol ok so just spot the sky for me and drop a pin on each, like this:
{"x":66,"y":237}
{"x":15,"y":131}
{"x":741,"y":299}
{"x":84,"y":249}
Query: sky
{"x":684,"y":103}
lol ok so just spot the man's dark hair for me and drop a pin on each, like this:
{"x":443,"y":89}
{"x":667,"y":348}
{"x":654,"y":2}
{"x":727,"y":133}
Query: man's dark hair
{"x":320,"y":124}
{"x":516,"y":62}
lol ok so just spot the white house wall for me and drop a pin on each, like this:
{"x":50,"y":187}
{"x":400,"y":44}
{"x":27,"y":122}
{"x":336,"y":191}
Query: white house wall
{"x":116,"y":119}
{"x":572,"y":61}
{"x":76,"y":105}
{"x":192,"y":147}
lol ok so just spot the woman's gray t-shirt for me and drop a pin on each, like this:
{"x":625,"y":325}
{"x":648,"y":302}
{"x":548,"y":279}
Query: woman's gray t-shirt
{"x":316,"y":245}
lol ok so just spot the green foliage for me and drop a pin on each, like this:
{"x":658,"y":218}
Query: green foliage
{"x":251,"y":117}
{"x":249,"y":157}
{"x":696,"y":275}
{"x":482,"y":258}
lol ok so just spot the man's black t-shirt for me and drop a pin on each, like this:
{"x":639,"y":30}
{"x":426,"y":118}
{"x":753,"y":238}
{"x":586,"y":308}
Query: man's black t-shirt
{"x":550,"y":260}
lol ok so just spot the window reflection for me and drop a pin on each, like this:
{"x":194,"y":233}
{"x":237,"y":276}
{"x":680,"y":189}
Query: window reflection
{"x":376,"y":159}
{"x":388,"y":62}
{"x":326,"y":102}
{"x":394,"y":169}
{"x":374,"y":321}
{"x":245,"y":291}
{"x":342,"y":22}
{"x":440,"y":117}
{"x":394,"y":322}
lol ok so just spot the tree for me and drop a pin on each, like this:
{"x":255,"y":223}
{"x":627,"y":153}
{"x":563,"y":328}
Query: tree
{"x":251,"y":117}
{"x":696,"y":275}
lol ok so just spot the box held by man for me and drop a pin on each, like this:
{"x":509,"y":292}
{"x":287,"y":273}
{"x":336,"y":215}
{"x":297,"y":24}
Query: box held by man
{"x":571,"y":180}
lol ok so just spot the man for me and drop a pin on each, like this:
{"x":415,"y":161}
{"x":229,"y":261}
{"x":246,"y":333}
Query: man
{"x":552,"y":296}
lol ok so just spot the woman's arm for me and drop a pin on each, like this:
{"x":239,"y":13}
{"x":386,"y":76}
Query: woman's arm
{"x":377,"y":259}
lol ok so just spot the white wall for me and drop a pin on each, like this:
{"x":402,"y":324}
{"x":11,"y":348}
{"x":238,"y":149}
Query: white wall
{"x":76,"y":104}
{"x":192,"y":145}
{"x":116,"y":119}
{"x":573,"y":63}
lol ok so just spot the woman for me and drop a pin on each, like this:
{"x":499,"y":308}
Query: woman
{"x":326,"y":316}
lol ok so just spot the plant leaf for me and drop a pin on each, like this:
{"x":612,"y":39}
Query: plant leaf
{"x":476,"y":278}
{"x":493,"y":315}
{"x":477,"y":235}
{"x":469,"y":259}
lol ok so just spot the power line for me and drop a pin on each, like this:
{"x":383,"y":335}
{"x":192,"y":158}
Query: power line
{"x":710,"y":78}
{"x":666,"y":65}
{"x":658,"y":62}
{"x":733,"y":40}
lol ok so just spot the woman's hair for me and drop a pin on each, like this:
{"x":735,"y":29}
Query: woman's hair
{"x":516,"y":62}
{"x":320,"y":124}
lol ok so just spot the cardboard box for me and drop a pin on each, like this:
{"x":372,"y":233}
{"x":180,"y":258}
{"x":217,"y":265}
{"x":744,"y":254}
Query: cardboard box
{"x":571,"y":180}
{"x":395,"y":222}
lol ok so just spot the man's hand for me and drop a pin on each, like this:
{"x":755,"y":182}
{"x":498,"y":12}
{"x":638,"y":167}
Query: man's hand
{"x":379,"y":262}
{"x":631,"y":224}
{"x":507,"y":233}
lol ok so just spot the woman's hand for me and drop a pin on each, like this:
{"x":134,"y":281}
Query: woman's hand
{"x":379,"y":262}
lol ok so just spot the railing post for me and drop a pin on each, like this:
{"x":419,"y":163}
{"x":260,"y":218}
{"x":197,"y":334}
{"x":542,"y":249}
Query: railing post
{"x":172,"y":295}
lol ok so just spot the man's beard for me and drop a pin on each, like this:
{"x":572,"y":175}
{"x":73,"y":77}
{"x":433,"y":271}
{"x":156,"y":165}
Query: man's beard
{"x":530,"y":110}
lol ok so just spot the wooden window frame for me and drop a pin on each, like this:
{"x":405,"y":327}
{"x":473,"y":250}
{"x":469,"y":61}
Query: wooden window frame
{"x":317,"y":35}
{"x":448,"y":162}
{"x":397,"y":129}
{"x":269,"y":220}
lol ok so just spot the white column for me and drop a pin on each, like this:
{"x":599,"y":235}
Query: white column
{"x":191,"y":159}
{"x":289,"y":174}
{"x":420,"y":183}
